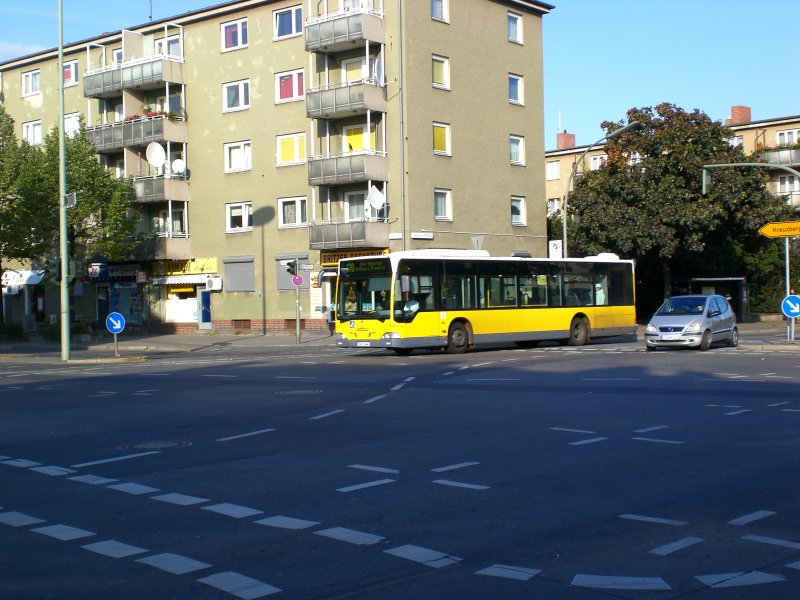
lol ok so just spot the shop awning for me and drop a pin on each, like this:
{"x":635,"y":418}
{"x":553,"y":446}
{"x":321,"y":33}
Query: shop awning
{"x":21,"y":277}
{"x":181,"y":279}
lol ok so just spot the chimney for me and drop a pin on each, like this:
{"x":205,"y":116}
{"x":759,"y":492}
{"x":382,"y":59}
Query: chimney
{"x":739,"y":116}
{"x":565,"y":140}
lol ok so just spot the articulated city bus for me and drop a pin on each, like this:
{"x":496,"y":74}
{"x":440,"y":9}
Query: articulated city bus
{"x":457,"y":299}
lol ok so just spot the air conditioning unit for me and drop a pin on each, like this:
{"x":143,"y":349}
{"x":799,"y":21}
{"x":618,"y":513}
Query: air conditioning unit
{"x":214,"y":284}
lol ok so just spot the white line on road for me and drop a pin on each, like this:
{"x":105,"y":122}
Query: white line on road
{"x":656,"y":520}
{"x":772,"y":541}
{"x":374,"y":399}
{"x":738,"y":412}
{"x":724,"y":580}
{"x":614,"y":582}
{"x":778,"y":404}
{"x":327,"y":414}
{"x":667,"y":549}
{"x":456,"y":466}
{"x":118,"y":458}
{"x":649,"y":429}
{"x":589,"y":441}
{"x":425,"y":556}
{"x":244,"y":435}
{"x":221,"y":376}
{"x":571,"y":430}
{"x":460,"y":484}
{"x":494,"y":379}
{"x":351,"y":536}
{"x":509,"y":572}
{"x":754,"y":516}
{"x":368,"y":484}
{"x":371,"y":468}
{"x":657,"y":441}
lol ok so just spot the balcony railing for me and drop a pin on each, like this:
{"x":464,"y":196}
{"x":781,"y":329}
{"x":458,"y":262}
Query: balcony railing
{"x":137,"y":132}
{"x":783,"y":156}
{"x":348,"y":168}
{"x":174,"y":246}
{"x":161,"y":188}
{"x":345,"y":99}
{"x":332,"y":235}
{"x":148,"y":73}
{"x":334,"y":32}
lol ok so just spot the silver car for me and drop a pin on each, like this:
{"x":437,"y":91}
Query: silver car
{"x":694,"y":321}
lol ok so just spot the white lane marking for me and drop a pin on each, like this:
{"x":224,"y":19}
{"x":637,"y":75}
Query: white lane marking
{"x":239,"y":585}
{"x":368,"y":484}
{"x":610,"y":379}
{"x":221,"y":376}
{"x":53,"y":470}
{"x":724,"y":580}
{"x":244,"y":435}
{"x":446,"y":373}
{"x":572,"y":430}
{"x":754,"y":516}
{"x":650,"y":429}
{"x":459,"y":484}
{"x":327,"y":414}
{"x":399,"y":386}
{"x":146,"y":391}
{"x":738,"y":412}
{"x":657,"y":520}
{"x":179,"y":499}
{"x":779,"y":377}
{"x":118,"y":458}
{"x":157,"y":374}
{"x":456,"y":466}
{"x":92,"y":479}
{"x":173,"y":563}
{"x":233,"y":510}
{"x":483,"y":364}
{"x":425,"y":556}
{"x":658,"y":441}
{"x":135,"y":489}
{"x":283,"y":522}
{"x":371,"y":468}
{"x":589,"y":441}
{"x":294,"y":377}
{"x":615,"y":582}
{"x":670,"y":548}
{"x":778,"y":404}
{"x":21,"y":463}
{"x":64,"y":533}
{"x":509,"y":572}
{"x":374,"y":399}
{"x":772,"y":541}
{"x":114,"y":549}
{"x":790,"y":410}
{"x":18,"y":519}
{"x":351,"y":536}
{"x":494,"y":379}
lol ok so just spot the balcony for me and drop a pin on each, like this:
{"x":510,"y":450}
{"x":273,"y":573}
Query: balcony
{"x":786,"y":156}
{"x":149,"y":73}
{"x":345,"y":30}
{"x":342,"y":169}
{"x":137,"y":132}
{"x":331,"y":235}
{"x":345,"y":100}
{"x":161,"y":188}
{"x":162,"y":247}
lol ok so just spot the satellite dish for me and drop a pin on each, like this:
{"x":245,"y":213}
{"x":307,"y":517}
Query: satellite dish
{"x":375,"y":198}
{"x":377,"y":72}
{"x":156,"y":155}
{"x":178,"y":166}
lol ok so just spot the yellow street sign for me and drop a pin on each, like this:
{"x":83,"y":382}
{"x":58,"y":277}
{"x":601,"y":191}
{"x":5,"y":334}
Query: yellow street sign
{"x":781,"y":229}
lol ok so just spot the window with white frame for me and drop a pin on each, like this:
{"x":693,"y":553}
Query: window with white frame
{"x":31,"y":82}
{"x":288,"y":22}
{"x":516,"y":89}
{"x":289,"y":86}
{"x":172,"y":105}
{"x":518,"y":210}
{"x":440,"y":10}
{"x":238,"y":156}
{"x":291,"y":149}
{"x":553,"y":170}
{"x":514,"y":28}
{"x":72,"y":124}
{"x":787,"y":137}
{"x":441,"y":139}
{"x":442,"y":204}
{"x":292,"y":212}
{"x":354,"y":69}
{"x":553,"y":206}
{"x":171,"y":46}
{"x":597,"y":161}
{"x":441,"y":72}
{"x":32,"y":132}
{"x":236,"y":95}
{"x":736,"y":141}
{"x":70,"y":73}
{"x":355,"y":206}
{"x":238,"y":217}
{"x":516,"y":150}
{"x":788,"y":184}
{"x":234,"y":35}
{"x":116,"y":56}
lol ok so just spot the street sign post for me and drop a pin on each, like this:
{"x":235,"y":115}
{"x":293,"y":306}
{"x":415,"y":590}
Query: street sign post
{"x":791,"y":306}
{"x":115,"y":323}
{"x":780,"y":229}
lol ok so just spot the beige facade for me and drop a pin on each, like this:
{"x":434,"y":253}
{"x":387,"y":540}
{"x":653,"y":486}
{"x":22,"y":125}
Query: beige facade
{"x":257,"y":132}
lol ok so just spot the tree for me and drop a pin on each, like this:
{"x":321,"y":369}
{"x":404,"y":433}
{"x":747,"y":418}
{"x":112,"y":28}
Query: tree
{"x":646,"y":202}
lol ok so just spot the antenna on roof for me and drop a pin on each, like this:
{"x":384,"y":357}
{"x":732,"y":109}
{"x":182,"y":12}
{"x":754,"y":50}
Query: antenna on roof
{"x":151,"y":10}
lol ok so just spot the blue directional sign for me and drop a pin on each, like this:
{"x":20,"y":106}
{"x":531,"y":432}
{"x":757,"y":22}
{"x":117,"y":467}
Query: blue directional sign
{"x":791,"y":306}
{"x":115,"y":322}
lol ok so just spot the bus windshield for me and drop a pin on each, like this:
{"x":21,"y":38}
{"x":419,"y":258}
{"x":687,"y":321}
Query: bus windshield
{"x":365,"y":289}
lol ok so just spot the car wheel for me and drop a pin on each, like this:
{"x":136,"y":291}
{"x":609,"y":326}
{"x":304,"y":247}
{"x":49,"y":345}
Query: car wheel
{"x":733,"y":341}
{"x":649,"y":348}
{"x":457,"y":339}
{"x":705,"y":341}
{"x":578,"y":332}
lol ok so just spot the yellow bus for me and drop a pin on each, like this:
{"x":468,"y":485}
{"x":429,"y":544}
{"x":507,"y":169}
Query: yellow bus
{"x":458,"y":299}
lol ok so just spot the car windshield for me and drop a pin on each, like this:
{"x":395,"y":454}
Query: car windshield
{"x":688,"y":305}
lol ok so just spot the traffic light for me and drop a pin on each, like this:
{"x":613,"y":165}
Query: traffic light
{"x":707,"y":181}
{"x":291,"y":267}
{"x":315,"y":280}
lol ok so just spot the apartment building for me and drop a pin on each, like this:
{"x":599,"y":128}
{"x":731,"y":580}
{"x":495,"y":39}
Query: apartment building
{"x":257,"y":132}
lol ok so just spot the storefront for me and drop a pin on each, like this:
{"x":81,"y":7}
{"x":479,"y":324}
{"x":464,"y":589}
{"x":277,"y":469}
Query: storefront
{"x":118,"y":289}
{"x":181,"y":290}
{"x":23,"y":297}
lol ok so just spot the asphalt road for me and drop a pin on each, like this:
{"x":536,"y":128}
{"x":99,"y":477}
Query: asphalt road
{"x":596,"y":472}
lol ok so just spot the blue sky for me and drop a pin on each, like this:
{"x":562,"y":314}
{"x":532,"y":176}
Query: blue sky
{"x":601,"y":57}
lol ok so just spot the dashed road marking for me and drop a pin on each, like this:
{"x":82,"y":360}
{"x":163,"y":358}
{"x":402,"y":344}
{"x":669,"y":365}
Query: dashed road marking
{"x":174,"y":563}
{"x":675,"y":546}
{"x":459,"y":484}
{"x":114,"y":549}
{"x":651,"y":429}
{"x":375,"y":469}
{"x":351,"y":536}
{"x":18,"y":519}
{"x":64,"y":533}
{"x":180,"y":499}
{"x":233,"y":510}
{"x":326,"y":415}
{"x":135,"y":489}
{"x":572,"y":430}
{"x":115,"y":459}
{"x":509,"y":572}
{"x":658,"y":441}
{"x":239,"y":585}
{"x":724,"y":580}
{"x":456,"y":466}
{"x":244,"y":435}
{"x":615,"y":582}
{"x":772,"y":541}
{"x":589,"y":441}
{"x":283,"y":522}
{"x":425,"y":556}
{"x":749,"y":518}
{"x":362,"y":486}
{"x":657,"y":520}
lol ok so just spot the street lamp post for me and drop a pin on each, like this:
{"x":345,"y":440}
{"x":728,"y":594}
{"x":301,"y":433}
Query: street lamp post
{"x":62,"y":195}
{"x":613,"y":134}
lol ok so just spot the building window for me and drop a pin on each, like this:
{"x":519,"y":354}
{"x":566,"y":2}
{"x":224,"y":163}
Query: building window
{"x":32,"y":132}
{"x":171,"y":46}
{"x":72,"y":124}
{"x":516,"y":150}
{"x":234,"y":35}
{"x":441,"y":139}
{"x":289,"y":86}
{"x":239,"y":273}
{"x":70,"y":73}
{"x":516,"y":89}
{"x":116,"y":57}
{"x":238,"y":157}
{"x":788,"y":137}
{"x":239,"y":217}
{"x":31,"y":83}
{"x":236,"y":95}
{"x":288,"y":22}
{"x":518,"y":210}
{"x":514,"y":28}
{"x":442,"y":205}
{"x":355,"y":69}
{"x":291,"y":149}
{"x":597,"y":161}
{"x":440,"y":10}
{"x":553,"y":170}
{"x":292,"y":212}
{"x":736,"y":141}
{"x":787,"y":184}
{"x":553,"y":206}
{"x":441,"y":72}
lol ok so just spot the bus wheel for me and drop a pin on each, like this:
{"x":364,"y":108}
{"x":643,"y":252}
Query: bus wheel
{"x":578,"y":332}
{"x":457,"y":339}
{"x":402,"y":351}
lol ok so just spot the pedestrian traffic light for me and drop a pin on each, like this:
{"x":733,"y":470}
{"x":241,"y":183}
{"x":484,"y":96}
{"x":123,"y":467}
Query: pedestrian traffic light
{"x":291,"y":267}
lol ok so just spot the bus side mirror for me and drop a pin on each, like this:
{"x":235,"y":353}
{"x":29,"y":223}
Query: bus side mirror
{"x":410,"y":309}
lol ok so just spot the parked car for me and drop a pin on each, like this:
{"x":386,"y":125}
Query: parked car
{"x":694,"y":321}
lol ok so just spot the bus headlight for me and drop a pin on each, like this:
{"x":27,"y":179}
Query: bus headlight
{"x":391,"y":335}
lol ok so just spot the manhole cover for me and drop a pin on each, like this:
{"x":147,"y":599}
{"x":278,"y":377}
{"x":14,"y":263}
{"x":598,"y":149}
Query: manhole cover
{"x":155,"y":445}
{"x":296,"y":392}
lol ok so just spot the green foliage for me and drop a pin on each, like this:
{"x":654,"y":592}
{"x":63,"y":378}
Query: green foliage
{"x":12,"y":332}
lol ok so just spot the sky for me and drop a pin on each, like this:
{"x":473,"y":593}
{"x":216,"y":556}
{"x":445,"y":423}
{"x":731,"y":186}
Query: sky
{"x":601,"y":57}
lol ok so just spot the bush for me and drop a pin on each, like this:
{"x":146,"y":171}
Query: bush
{"x":52,"y":333}
{"x":12,"y":332}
